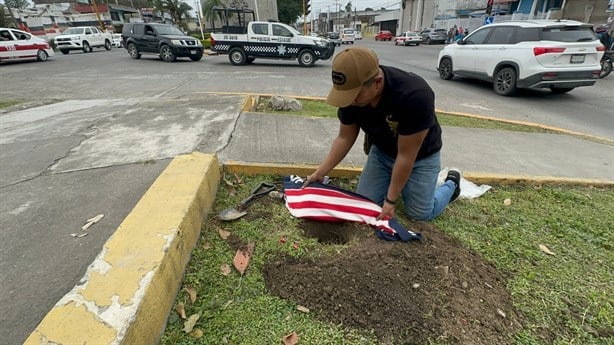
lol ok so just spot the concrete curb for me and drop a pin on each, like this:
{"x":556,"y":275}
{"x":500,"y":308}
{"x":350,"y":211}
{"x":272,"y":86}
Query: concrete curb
{"x":127,"y":293}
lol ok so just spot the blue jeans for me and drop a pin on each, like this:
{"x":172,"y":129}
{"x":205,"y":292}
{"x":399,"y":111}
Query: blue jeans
{"x":422,"y":200}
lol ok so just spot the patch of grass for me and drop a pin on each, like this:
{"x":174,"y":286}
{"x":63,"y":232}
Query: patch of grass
{"x":317,"y":108}
{"x":567,"y":295}
{"x":5,"y":104}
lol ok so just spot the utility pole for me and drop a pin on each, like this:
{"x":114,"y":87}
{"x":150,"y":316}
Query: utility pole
{"x":100,"y":22}
{"x":200,"y":18}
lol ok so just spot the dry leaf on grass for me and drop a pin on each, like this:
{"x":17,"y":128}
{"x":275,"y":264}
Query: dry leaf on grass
{"x":225,"y":269}
{"x":228,"y":182}
{"x":190,"y":322}
{"x":303,"y":309}
{"x":507,"y":202}
{"x":181,"y":310}
{"x":545,"y":249}
{"x":207,"y":246}
{"x":223,"y":233}
{"x":191,"y":292}
{"x":197,"y":333}
{"x":242,"y":257}
{"x":290,"y":339}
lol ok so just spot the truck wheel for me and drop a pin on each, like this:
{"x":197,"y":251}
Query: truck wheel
{"x":86,"y":47}
{"x":237,"y":56}
{"x":107,"y":45}
{"x":196,"y":57}
{"x":133,"y":51}
{"x":306,"y":58}
{"x":166,"y":54}
{"x":64,"y":51}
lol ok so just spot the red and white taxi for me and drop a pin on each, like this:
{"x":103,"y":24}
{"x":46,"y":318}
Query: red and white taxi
{"x":408,"y":38}
{"x":17,"y":45}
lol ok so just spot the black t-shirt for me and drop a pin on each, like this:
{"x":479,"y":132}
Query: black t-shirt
{"x":407,"y":107}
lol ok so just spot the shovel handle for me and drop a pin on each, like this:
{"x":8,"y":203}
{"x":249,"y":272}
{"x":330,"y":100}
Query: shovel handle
{"x":262,"y":189}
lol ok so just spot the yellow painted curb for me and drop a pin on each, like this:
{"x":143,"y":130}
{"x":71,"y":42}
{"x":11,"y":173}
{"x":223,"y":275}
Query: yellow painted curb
{"x":128,"y":291}
{"x":235,"y":167}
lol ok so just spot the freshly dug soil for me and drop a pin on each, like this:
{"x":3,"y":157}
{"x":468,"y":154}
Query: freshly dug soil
{"x":407,"y":293}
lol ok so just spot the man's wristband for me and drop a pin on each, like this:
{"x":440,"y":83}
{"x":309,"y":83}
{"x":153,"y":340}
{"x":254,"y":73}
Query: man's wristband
{"x":391,"y":202}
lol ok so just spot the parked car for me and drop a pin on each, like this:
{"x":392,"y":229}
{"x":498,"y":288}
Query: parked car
{"x":556,"y":54}
{"x":430,"y":36}
{"x":347,"y":36}
{"x":165,"y":40}
{"x":408,"y":38}
{"x":84,"y":38}
{"x":383,"y":35}
{"x":117,"y":40}
{"x":357,"y":35}
{"x":17,"y":45}
{"x":334,"y":38}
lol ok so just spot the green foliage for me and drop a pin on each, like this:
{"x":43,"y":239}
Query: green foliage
{"x":348,"y":7}
{"x":208,"y":6}
{"x":3,"y":15}
{"x":288,"y":11}
{"x":178,"y":10}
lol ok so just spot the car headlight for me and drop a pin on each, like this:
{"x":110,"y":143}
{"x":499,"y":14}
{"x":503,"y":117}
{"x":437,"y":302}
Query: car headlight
{"x":76,"y":38}
{"x":176,"y":42}
{"x":321,"y":43}
{"x":198,"y":43}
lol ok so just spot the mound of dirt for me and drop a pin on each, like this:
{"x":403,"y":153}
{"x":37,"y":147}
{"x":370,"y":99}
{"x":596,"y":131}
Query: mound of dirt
{"x":407,"y":293}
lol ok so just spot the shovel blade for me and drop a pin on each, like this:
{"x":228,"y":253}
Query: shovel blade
{"x":231,"y":214}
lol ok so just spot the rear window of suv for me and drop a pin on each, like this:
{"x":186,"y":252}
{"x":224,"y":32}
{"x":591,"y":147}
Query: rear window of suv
{"x":569,"y":34}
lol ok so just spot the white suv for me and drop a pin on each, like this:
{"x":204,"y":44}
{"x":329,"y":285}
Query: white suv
{"x":559,"y":55}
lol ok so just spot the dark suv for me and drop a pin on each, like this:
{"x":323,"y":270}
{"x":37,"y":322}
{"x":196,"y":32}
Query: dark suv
{"x":163,"y":39}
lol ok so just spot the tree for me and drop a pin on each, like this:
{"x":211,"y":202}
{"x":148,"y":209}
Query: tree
{"x":289,"y":10}
{"x":208,"y":9}
{"x":17,"y":4}
{"x":382,"y":9}
{"x":178,"y":10}
{"x":348,"y":7}
{"x":368,"y":9}
{"x":3,"y":22}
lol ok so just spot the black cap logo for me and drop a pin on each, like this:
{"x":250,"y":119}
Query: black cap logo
{"x":338,"y":78}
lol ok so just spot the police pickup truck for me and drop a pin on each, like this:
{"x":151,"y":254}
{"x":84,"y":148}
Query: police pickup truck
{"x":245,"y":40}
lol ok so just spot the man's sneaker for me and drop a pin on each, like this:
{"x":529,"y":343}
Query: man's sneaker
{"x":454,"y":176}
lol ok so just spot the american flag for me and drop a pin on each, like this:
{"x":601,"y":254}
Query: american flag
{"x":323,"y":202}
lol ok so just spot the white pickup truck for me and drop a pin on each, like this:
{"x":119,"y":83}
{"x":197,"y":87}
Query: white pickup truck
{"x":83,"y":38}
{"x":244,"y":41}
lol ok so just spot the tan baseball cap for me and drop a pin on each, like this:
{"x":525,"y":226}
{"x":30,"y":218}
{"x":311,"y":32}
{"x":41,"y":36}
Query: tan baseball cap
{"x":352,"y":67}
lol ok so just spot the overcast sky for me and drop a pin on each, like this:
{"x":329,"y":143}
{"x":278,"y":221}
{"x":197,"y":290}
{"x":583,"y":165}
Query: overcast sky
{"x":323,"y":5}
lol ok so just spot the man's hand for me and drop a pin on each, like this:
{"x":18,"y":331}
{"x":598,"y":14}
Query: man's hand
{"x":313,"y":178}
{"x":387,"y":211}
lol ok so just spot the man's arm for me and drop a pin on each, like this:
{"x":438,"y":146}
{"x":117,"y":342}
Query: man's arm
{"x":341,"y":146}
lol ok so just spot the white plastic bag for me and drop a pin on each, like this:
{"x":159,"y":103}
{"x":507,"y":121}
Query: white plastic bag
{"x":469,"y":190}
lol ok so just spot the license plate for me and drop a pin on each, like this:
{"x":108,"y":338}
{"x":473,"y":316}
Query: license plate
{"x":193,"y":51}
{"x":577,"y":58}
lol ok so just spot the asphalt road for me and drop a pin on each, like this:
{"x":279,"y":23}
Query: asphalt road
{"x":113,"y":74}
{"x":67,"y":162}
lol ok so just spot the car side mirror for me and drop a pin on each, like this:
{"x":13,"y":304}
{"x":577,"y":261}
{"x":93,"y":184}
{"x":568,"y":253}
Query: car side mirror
{"x":460,"y":42}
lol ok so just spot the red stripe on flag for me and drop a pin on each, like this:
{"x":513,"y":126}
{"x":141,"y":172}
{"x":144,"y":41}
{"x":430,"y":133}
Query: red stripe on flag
{"x":334,"y":207}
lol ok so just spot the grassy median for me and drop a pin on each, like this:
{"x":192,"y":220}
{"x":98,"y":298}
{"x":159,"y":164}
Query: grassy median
{"x":553,"y":245}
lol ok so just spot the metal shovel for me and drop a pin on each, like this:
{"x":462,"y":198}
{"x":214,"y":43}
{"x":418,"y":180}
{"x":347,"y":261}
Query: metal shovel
{"x":239,"y":211}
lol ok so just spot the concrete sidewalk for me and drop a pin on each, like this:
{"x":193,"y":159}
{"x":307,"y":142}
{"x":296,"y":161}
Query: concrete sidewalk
{"x":128,"y":291}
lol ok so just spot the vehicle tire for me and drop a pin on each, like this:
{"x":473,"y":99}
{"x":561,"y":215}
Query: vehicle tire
{"x":396,"y":43}
{"x":250,"y":60}
{"x":166,"y":54}
{"x":505,"y":82}
{"x":196,"y":57}
{"x":107,"y":45}
{"x":86,"y":47}
{"x":306,"y":58}
{"x":428,"y":41}
{"x":237,"y":56}
{"x":606,"y":68}
{"x":133,"y":51}
{"x":445,"y":69}
{"x":560,"y":90}
{"x":41,"y":55}
{"x":64,"y":51}
{"x":417,"y":44}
